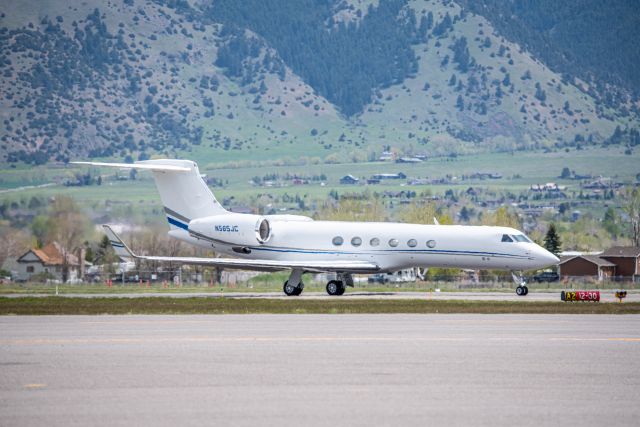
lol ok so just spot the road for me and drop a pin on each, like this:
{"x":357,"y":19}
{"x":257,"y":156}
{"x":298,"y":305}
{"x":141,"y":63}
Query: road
{"x":606,"y":296}
{"x":320,"y":370}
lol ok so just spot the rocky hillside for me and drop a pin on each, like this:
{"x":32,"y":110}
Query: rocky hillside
{"x":267,"y":79}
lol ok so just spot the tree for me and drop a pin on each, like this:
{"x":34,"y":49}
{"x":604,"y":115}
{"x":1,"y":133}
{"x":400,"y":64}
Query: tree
{"x":631,"y":206}
{"x":610,"y":222}
{"x":66,"y":225}
{"x":552,"y":240}
{"x":354,"y":210}
{"x":423,"y":213}
{"x":502,"y":217}
{"x":566,"y":173}
{"x":14,"y":243}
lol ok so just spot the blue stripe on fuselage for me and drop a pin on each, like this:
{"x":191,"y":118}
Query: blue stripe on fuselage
{"x":178,"y":223}
{"x":392,"y":251}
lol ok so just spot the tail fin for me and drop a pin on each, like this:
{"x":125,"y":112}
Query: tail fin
{"x":184,"y":193}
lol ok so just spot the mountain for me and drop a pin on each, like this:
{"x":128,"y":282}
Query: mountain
{"x":227,"y":80}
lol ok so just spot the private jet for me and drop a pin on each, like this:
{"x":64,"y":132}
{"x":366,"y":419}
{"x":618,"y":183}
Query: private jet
{"x":302,"y":245}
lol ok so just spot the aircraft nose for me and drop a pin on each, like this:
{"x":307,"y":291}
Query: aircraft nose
{"x":546,"y":257}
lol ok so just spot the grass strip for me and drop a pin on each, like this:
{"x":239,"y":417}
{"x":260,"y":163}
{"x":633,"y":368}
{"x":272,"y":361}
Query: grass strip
{"x":218,"y":305}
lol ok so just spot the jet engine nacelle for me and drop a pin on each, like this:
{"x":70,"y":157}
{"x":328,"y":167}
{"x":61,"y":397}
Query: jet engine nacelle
{"x":235,"y":229}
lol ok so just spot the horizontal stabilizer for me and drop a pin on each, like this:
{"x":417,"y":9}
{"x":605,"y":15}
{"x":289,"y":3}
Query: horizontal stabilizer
{"x":143,"y":166}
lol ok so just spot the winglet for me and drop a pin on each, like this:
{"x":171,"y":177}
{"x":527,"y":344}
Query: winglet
{"x":119,"y":247}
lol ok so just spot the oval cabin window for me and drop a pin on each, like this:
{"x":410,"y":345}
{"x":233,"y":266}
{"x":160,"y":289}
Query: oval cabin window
{"x":337,"y":241}
{"x":374,"y":242}
{"x":431,"y":244}
{"x":356,"y":241}
{"x":412,"y":243}
{"x":393,"y":243}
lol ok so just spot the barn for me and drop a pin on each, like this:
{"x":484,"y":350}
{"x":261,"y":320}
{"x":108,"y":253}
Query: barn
{"x":586,"y":266}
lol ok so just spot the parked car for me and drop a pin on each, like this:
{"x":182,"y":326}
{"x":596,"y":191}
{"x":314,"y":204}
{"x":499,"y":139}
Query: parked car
{"x":546,"y":276}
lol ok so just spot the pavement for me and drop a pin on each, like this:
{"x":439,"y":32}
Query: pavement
{"x":320,"y":370}
{"x":605,"y":296}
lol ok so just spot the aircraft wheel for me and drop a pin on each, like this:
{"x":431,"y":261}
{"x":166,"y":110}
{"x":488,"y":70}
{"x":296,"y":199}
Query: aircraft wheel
{"x":526,"y":290}
{"x":343,"y":288}
{"x":290,"y":290}
{"x":335,"y":287}
{"x":521,"y":291}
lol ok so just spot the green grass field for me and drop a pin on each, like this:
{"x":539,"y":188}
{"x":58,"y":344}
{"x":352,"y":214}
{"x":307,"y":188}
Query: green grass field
{"x":519,"y":170}
{"x":221,"y":305}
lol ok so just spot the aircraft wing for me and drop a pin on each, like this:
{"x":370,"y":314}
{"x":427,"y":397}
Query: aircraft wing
{"x":123,"y":251}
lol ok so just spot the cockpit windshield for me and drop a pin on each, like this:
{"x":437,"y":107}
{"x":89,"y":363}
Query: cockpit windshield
{"x":515,"y":238}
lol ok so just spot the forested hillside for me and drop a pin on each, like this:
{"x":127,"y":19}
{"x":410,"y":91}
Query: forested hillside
{"x":228,"y":80}
{"x":588,"y":39}
{"x":344,"y":62}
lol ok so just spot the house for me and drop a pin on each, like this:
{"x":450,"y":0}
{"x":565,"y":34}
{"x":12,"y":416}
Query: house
{"x":586,"y":266}
{"x":381,"y":176}
{"x":386,"y":156}
{"x":409,"y":160}
{"x":53,"y":260}
{"x":349,"y":179}
{"x":626,"y":260}
{"x":485,"y":175}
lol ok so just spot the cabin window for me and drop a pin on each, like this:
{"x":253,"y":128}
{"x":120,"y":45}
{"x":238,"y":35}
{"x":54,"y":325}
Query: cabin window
{"x":506,"y":238}
{"x":30,"y":269}
{"x":337,"y":241}
{"x":393,"y":243}
{"x":431,"y":244}
{"x":356,"y":241}
{"x":412,"y":243}
{"x":374,"y":242}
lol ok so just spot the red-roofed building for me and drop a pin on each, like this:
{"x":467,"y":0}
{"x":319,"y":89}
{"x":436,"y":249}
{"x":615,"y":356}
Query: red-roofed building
{"x":626,"y":259}
{"x":621,"y":262}
{"x":586,"y":266}
{"x":52,"y":259}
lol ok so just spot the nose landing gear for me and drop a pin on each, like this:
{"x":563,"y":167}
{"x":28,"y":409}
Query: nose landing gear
{"x":522,"y":288}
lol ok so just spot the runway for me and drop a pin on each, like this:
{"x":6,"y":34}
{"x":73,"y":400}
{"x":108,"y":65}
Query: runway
{"x":605,"y":296}
{"x":320,"y":370}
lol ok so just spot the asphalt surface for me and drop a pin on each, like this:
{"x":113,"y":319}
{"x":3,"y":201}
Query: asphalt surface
{"x":320,"y":370}
{"x":605,"y":296}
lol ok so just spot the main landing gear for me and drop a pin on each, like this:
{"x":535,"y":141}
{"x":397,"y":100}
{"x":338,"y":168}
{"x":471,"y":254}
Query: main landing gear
{"x":339,"y":286}
{"x":336,"y":287}
{"x":294,"y":286}
{"x":522,"y":289}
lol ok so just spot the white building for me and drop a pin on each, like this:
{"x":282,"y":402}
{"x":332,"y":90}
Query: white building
{"x":51,"y":260}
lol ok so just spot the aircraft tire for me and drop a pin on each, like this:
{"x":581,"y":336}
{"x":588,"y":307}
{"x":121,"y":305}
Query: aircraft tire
{"x":521,"y":291}
{"x":334,"y":288}
{"x":526,"y":290}
{"x":292,"y":291}
{"x":342,"y":289}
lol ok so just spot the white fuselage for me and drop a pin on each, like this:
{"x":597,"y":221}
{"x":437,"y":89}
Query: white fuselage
{"x":398,"y":245}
